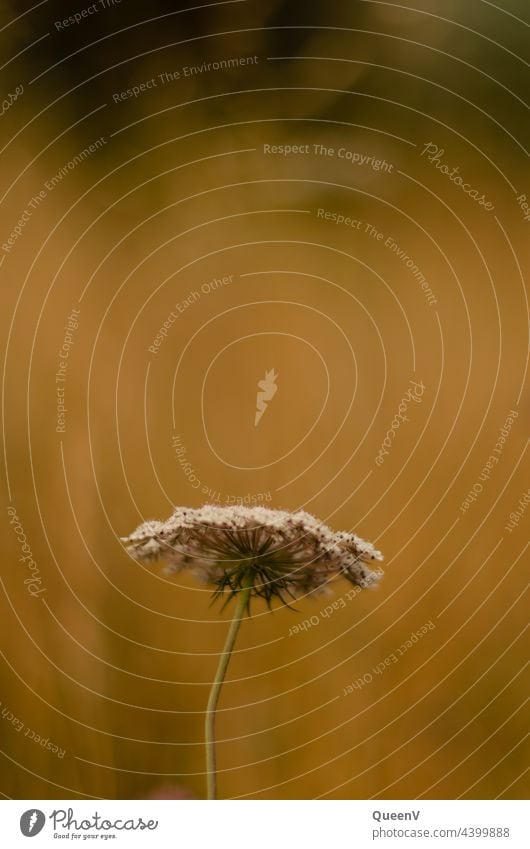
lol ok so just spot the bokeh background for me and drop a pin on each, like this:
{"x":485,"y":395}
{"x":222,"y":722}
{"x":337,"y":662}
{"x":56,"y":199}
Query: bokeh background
{"x":106,"y":666}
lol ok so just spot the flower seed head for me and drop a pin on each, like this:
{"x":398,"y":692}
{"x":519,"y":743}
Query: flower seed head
{"x":279,"y":554}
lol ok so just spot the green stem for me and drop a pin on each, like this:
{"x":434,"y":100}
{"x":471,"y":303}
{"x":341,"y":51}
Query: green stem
{"x":224,"y":660}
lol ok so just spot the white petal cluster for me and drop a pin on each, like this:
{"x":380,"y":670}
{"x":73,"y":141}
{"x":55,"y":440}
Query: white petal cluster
{"x":277,"y":551}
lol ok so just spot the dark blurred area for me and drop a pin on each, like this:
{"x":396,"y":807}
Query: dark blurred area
{"x":144,"y":175}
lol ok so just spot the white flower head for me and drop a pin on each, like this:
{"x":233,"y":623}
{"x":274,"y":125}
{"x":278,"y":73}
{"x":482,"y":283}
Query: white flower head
{"x":276,"y":553}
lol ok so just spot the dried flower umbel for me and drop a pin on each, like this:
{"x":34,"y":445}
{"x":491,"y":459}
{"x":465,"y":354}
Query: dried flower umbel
{"x":248,"y":552}
{"x":280,"y":554}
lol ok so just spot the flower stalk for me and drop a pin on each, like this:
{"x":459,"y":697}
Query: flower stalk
{"x":224,"y":660}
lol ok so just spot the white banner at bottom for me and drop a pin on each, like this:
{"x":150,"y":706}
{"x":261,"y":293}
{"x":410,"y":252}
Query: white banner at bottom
{"x":265,"y":824}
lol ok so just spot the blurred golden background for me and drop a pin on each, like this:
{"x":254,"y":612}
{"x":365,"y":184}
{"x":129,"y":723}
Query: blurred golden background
{"x":161,"y":251}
